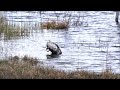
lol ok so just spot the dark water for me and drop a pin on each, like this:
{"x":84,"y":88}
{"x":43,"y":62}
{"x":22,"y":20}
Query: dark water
{"x":89,"y":46}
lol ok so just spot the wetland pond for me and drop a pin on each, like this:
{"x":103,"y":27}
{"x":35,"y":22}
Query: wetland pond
{"x":91,"y":45}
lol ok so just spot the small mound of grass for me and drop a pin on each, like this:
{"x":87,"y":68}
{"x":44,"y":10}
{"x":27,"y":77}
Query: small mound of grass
{"x":32,"y":61}
{"x":55,"y":25}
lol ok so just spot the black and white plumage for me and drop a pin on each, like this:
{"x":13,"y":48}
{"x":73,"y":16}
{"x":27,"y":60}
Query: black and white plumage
{"x":54,"y":48}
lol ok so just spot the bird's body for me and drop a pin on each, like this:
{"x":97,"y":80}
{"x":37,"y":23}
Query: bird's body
{"x":54,"y":48}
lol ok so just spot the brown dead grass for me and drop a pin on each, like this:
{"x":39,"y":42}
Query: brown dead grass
{"x":55,"y":25}
{"x":26,"y":68}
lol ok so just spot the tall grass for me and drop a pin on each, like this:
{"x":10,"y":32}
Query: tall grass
{"x":8,"y":30}
{"x":23,"y":68}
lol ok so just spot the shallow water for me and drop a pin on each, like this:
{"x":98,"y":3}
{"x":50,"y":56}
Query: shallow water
{"x":88,"y":46}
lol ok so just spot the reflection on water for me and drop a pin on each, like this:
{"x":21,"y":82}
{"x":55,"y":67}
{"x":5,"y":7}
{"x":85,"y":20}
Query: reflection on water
{"x":89,"y":46}
{"x":52,"y":56}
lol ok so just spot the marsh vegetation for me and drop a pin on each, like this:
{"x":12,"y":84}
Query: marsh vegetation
{"x":9,"y":31}
{"x":92,"y":46}
{"x":28,"y":68}
{"x":55,"y":25}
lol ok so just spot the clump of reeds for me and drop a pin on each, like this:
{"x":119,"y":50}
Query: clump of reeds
{"x":55,"y":25}
{"x":31,"y":60}
{"x":8,"y":30}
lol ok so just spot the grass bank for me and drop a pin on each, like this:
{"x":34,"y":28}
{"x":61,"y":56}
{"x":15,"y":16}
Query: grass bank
{"x":28,"y":68}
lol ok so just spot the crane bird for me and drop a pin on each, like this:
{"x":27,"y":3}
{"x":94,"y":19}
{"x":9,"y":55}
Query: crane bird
{"x":117,"y":17}
{"x":54,"y":48}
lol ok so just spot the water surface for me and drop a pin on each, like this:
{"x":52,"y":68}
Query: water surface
{"x":89,"y":46}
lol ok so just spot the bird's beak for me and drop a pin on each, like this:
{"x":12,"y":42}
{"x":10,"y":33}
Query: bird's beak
{"x":47,"y":49}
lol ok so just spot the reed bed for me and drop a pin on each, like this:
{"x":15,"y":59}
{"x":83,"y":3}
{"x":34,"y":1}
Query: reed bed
{"x":9,"y":31}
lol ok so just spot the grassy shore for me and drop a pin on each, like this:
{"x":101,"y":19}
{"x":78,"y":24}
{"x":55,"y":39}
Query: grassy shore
{"x":28,"y":68}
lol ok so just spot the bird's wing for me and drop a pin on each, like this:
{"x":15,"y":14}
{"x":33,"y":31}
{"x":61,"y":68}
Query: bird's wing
{"x":52,"y":46}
